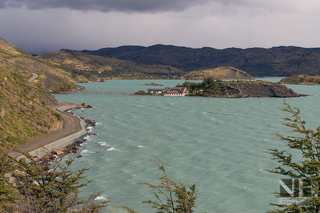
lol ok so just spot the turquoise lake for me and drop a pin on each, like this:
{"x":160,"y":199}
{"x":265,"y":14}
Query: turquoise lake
{"x":218,"y":144}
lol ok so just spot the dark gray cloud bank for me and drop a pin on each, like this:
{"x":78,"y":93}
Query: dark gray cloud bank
{"x":38,"y":26}
{"x":105,"y":5}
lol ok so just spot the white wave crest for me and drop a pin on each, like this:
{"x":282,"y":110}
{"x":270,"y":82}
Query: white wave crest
{"x":88,"y":138}
{"x":85,"y":151}
{"x":111,"y":149}
{"x":101,"y":197}
{"x":104,"y":143}
{"x":140,"y":146}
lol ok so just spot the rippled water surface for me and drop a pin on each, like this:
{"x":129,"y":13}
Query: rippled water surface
{"x":219,"y":144}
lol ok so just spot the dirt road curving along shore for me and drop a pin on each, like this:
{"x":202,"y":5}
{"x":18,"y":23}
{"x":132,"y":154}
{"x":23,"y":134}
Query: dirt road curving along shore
{"x":71,"y":127}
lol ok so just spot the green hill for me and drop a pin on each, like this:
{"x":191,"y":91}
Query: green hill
{"x":24,"y":115}
{"x":217,"y":73}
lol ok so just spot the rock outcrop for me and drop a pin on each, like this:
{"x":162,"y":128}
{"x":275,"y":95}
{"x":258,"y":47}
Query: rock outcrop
{"x":260,"y":89}
{"x":70,"y":149}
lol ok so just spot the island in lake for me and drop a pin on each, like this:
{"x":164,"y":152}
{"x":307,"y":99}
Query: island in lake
{"x":154,"y":84}
{"x":226,"y":89}
{"x":301,"y":80}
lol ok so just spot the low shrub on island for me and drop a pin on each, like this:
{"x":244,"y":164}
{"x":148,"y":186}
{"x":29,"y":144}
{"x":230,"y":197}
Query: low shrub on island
{"x":153,"y":84}
{"x":142,"y":92}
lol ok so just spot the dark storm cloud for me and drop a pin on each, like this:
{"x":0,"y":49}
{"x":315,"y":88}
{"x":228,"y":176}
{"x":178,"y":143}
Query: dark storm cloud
{"x":105,"y":5}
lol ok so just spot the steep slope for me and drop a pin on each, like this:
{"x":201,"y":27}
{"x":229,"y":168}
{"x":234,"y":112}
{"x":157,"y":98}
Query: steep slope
{"x":277,"y":61}
{"x":24,"y":114}
{"x":98,"y":68}
{"x":21,"y":65}
{"x":217,"y":73}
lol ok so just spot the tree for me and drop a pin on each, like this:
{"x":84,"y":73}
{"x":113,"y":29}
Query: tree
{"x":208,"y":85}
{"x":8,"y":193}
{"x":33,"y":188}
{"x":171,"y":197}
{"x":307,"y":142}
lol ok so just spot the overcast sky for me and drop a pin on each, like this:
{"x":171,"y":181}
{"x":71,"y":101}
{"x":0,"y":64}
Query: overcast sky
{"x":38,"y":26}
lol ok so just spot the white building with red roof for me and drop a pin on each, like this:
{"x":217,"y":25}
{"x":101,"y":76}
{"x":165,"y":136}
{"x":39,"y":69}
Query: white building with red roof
{"x":175,"y":91}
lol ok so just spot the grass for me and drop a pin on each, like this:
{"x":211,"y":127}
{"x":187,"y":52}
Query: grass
{"x":301,"y":79}
{"x":218,"y":73}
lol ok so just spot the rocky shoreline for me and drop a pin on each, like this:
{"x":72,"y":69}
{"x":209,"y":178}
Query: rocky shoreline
{"x":71,"y":148}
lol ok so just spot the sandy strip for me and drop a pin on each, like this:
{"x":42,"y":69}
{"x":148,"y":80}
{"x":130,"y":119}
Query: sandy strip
{"x":73,"y":129}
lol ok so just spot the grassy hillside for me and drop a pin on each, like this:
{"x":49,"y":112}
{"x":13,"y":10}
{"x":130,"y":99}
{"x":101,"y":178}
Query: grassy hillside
{"x":301,"y":79}
{"x":21,"y":65}
{"x":277,"y":61}
{"x":24,"y":115}
{"x":217,"y":73}
{"x":98,"y":68}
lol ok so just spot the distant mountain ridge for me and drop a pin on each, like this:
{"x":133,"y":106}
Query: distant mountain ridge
{"x":276,"y":61}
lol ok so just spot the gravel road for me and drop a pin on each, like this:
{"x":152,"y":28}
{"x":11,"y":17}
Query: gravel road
{"x":71,"y":125}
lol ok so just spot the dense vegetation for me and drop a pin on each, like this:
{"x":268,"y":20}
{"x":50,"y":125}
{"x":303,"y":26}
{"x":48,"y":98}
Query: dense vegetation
{"x":301,"y":79}
{"x":27,"y":186}
{"x":303,"y":166}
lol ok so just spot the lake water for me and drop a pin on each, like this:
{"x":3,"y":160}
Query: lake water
{"x":219,"y":144}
